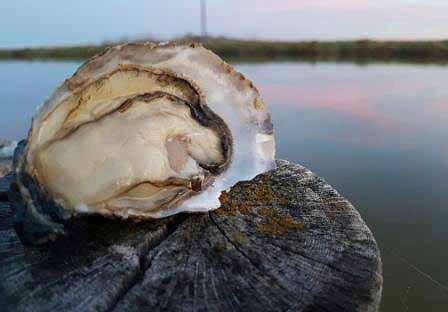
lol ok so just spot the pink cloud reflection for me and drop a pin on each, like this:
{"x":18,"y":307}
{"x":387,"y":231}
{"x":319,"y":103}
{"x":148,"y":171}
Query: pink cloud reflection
{"x":340,"y":98}
{"x":351,"y":101}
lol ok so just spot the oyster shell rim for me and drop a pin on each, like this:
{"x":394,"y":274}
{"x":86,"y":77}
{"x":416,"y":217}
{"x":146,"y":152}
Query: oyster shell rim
{"x":70,"y":84}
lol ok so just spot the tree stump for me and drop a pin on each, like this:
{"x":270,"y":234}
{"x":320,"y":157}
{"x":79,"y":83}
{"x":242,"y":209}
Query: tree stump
{"x":285,"y":241}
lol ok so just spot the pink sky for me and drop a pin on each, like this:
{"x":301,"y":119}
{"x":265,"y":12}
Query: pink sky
{"x":348,"y":19}
{"x":270,"y":6}
{"x":294,"y":5}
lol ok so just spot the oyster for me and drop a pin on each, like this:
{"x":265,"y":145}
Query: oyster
{"x":141,"y":131}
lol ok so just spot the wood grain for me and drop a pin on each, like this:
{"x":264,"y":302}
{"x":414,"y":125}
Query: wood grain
{"x":285,"y":241}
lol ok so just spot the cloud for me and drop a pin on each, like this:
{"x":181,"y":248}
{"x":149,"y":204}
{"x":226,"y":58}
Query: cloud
{"x":268,"y":6}
{"x":425,"y":2}
{"x":262,"y":6}
{"x":345,"y":19}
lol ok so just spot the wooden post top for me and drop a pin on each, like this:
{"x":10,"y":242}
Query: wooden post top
{"x":285,"y":241}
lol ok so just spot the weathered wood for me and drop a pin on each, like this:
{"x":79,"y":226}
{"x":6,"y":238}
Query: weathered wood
{"x":284,"y":241}
{"x":5,"y":167}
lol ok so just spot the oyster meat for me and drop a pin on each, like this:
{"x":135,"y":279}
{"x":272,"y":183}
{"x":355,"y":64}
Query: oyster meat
{"x":141,"y":131}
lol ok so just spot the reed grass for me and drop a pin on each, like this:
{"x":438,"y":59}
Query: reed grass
{"x":236,"y":49}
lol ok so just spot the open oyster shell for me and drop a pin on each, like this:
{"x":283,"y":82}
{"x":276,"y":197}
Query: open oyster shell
{"x":141,"y":130}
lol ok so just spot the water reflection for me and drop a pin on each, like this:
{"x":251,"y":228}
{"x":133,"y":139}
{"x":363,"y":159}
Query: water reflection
{"x":377,"y":133}
{"x":23,"y":86}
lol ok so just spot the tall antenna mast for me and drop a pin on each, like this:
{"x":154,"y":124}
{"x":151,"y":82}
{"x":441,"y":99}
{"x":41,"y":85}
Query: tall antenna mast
{"x":203,"y":19}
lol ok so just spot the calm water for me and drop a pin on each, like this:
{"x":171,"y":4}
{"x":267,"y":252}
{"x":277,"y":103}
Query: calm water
{"x":377,"y":133}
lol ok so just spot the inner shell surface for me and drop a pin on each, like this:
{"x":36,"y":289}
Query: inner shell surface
{"x":148,"y":152}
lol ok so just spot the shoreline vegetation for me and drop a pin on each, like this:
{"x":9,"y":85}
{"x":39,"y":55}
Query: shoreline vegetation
{"x":359,"y":51}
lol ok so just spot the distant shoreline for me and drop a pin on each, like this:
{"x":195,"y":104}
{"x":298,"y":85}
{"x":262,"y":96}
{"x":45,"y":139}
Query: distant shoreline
{"x":360,"y":51}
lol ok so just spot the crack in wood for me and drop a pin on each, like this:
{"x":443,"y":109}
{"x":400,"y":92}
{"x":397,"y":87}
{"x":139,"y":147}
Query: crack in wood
{"x":151,"y":241}
{"x":4,"y":197}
